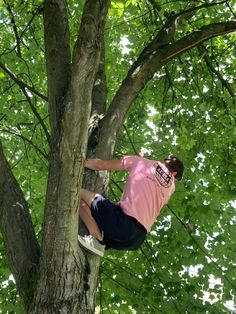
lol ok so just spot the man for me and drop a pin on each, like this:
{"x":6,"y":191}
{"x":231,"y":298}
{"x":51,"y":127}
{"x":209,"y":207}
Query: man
{"x":124,"y":226}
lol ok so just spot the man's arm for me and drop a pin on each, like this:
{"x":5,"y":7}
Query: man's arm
{"x":99,"y":164}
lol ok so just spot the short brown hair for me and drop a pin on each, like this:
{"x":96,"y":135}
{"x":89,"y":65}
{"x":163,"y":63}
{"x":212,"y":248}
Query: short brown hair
{"x":175,"y":165}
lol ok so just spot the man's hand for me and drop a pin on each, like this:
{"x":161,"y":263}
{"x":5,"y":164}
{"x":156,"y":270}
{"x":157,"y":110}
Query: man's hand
{"x":99,"y":164}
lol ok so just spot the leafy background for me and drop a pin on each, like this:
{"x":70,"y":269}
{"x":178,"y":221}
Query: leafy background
{"x":187,"y":264}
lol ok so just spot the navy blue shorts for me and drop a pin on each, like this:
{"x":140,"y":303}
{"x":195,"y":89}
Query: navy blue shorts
{"x":121,"y":232}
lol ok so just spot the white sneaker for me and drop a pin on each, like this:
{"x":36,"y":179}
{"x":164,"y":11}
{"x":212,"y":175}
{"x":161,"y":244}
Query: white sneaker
{"x":91,"y":244}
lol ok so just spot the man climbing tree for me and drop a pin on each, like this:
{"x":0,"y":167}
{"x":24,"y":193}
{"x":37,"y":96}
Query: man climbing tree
{"x":124,"y":226}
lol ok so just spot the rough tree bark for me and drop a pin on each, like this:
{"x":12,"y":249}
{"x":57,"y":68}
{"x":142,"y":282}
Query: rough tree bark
{"x":18,"y":233}
{"x":62,"y":278}
{"x":63,"y":268}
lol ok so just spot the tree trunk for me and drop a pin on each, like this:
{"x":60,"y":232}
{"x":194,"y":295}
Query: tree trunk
{"x":68,"y":277}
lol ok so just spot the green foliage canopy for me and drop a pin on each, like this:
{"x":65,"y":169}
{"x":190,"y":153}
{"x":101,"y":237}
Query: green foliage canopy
{"x":187,"y":264}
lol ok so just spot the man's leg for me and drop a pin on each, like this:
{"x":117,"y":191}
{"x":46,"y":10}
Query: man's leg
{"x":85,"y":213}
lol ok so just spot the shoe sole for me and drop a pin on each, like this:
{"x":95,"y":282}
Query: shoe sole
{"x":89,"y":248}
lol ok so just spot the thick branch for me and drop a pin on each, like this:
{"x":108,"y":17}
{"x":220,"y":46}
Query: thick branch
{"x":143,"y":70}
{"x":195,"y":38}
{"x":57,"y":50}
{"x":166,"y":33}
{"x":99,"y":96}
{"x":17,"y":230}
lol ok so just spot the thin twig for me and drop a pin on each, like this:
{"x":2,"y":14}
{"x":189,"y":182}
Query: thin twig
{"x":37,"y":115}
{"x":13,"y":22}
{"x":225,"y":83}
{"x":131,"y":290}
{"x":20,"y":83}
{"x":130,"y":140}
{"x":24,"y":138}
{"x":24,"y":88}
{"x":201,"y":249}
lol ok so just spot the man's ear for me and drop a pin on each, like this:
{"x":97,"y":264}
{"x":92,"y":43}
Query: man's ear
{"x":174,"y":173}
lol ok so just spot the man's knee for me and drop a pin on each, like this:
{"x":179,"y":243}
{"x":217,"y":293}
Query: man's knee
{"x":87,"y":196}
{"x":83,"y":204}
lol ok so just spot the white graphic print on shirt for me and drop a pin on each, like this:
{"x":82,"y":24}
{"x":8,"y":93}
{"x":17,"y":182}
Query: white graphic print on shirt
{"x":162,"y":175}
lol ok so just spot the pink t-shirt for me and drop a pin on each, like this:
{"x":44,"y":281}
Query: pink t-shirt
{"x":148,"y":188}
